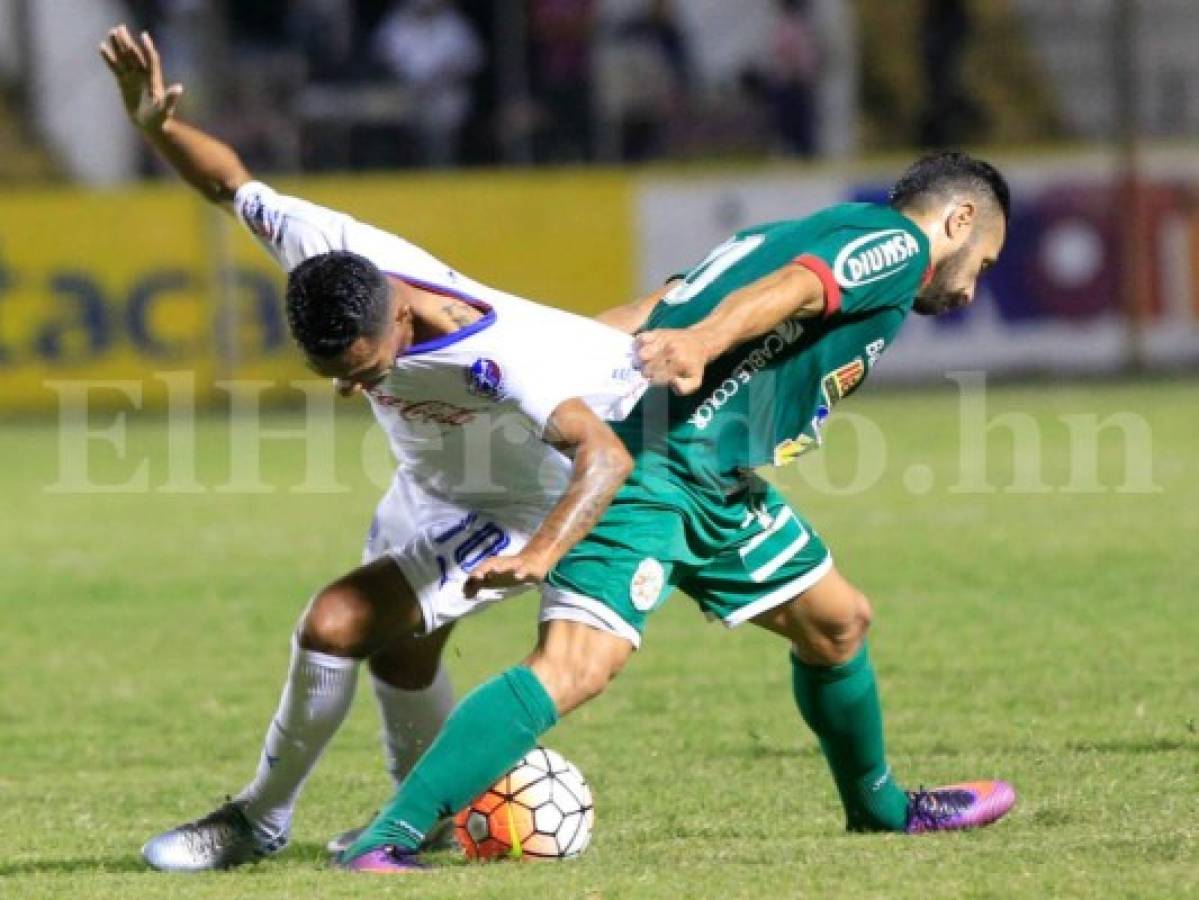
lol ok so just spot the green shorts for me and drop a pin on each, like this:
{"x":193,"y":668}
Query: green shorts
{"x":736,"y":556}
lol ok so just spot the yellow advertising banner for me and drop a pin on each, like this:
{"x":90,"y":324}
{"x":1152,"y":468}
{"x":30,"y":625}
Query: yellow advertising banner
{"x":116,"y":286}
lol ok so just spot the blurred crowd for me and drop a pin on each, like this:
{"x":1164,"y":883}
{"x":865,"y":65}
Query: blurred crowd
{"x":330,"y":85}
{"x":335,"y":84}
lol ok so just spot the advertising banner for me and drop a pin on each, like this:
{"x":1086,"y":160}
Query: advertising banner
{"x":116,"y":286}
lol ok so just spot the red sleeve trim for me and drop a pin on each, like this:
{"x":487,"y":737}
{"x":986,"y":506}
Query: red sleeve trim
{"x":832,"y":290}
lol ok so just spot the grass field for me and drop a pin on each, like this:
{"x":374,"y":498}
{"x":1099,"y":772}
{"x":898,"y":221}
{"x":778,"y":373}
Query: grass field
{"x":1048,"y":638}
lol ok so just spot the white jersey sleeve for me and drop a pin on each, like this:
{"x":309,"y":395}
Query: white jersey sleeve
{"x":292,"y":230}
{"x":547,"y":356}
{"x":602,"y":375}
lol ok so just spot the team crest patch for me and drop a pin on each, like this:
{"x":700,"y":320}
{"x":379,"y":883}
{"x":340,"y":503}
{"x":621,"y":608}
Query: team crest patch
{"x":841,"y":382}
{"x":485,"y":378}
{"x":646,"y":585}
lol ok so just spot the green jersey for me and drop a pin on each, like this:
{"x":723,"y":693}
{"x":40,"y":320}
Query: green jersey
{"x":765,"y":401}
{"x":689,"y":516}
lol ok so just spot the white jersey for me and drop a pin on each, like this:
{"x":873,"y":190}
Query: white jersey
{"x":465,"y":413}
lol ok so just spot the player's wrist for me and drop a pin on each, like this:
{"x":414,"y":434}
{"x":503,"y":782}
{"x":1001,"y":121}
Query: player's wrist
{"x":159,"y":128}
{"x":710,"y":343}
{"x":153,"y":132}
{"x":537,"y":561}
{"x":541,"y":562}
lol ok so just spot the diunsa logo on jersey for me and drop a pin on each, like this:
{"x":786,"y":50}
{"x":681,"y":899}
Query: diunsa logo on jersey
{"x":874,"y":257}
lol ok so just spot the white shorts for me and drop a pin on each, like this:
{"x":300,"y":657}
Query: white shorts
{"x":437,"y":543}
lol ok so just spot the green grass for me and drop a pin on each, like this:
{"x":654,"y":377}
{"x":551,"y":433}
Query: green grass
{"x":1047,"y":638}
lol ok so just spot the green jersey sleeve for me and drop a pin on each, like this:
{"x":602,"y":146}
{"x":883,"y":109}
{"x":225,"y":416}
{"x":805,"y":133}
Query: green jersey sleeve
{"x":867,"y":257}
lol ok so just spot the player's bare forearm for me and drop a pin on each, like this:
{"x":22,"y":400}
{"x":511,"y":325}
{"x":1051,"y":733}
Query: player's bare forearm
{"x":207,"y":164}
{"x":204,"y":162}
{"x":678,"y":357}
{"x":759,"y":308}
{"x":632,"y":316}
{"x":601,"y":465}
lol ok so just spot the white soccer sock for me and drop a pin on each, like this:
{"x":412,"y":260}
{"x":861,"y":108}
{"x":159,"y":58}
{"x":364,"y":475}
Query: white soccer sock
{"x":411,"y":719}
{"x":315,"y":701}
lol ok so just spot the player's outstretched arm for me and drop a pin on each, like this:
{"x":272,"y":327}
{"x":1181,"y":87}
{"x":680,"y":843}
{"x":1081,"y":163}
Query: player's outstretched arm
{"x":601,"y":464}
{"x":677,"y":357}
{"x":630,"y":317}
{"x":208,"y":165}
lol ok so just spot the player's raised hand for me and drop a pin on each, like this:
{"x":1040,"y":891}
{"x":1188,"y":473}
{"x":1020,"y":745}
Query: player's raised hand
{"x":674,"y":357}
{"x":138,"y":71}
{"x":504,"y":572}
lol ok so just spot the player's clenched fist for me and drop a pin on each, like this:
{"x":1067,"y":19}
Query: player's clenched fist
{"x":138,"y":70}
{"x":676,"y":357}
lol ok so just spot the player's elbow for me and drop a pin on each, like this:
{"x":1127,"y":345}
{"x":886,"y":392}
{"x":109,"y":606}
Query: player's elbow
{"x":614,"y":461}
{"x":847,"y":636}
{"x":222,"y":189}
{"x":623,"y":462}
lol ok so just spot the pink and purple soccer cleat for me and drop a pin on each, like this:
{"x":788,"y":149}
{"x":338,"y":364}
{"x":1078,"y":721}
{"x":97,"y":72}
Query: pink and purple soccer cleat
{"x":955,"y":807}
{"x":385,"y":860}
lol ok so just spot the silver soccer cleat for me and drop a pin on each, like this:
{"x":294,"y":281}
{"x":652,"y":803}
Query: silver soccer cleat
{"x":221,"y":840}
{"x":440,"y":837}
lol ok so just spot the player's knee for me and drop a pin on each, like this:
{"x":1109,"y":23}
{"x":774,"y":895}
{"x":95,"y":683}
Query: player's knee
{"x":593,"y":678}
{"x":837,"y":635}
{"x":587,"y":679}
{"x":572,"y":682}
{"x":576,"y":662}
{"x":864,"y":616}
{"x":339,"y":621}
{"x":845,"y":637}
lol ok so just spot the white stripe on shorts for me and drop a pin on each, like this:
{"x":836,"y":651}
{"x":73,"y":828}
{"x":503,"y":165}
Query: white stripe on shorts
{"x":780,"y":595}
{"x":753,"y":543}
{"x":765,"y":571}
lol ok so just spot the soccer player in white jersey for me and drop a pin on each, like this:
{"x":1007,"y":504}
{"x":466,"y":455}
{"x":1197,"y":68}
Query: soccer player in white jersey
{"x":495,"y":411}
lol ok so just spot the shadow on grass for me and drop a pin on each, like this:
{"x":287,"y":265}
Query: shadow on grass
{"x":1154,"y":745}
{"x":302,"y":853}
{"x":771,"y":751}
{"x":130,"y":862}
{"x":309,"y":852}
{"x":1053,"y":817}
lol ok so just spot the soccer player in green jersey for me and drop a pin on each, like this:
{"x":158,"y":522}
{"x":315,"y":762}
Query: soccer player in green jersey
{"x":751,"y":351}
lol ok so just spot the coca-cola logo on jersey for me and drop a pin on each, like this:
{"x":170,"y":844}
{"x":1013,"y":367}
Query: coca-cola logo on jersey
{"x":429,"y":412}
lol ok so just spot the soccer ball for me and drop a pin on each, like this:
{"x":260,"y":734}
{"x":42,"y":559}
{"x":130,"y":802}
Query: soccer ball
{"x":540,"y":809}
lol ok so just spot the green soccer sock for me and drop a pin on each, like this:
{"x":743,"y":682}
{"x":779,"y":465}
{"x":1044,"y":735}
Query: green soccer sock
{"x":487,"y":733}
{"x":840,"y":703}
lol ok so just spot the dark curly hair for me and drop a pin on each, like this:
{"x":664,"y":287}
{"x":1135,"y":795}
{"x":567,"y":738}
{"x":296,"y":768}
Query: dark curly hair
{"x":333,"y":299}
{"x":940,"y":175}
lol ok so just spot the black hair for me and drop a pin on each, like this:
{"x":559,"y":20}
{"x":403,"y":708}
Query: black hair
{"x":939,"y":175}
{"x":333,"y":299}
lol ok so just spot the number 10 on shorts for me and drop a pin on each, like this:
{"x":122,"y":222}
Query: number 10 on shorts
{"x":472,"y":543}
